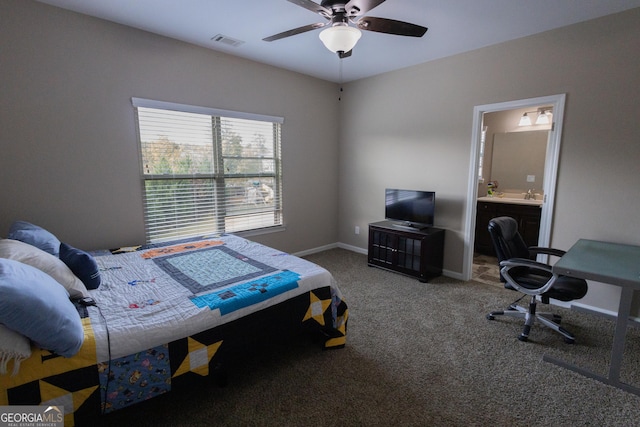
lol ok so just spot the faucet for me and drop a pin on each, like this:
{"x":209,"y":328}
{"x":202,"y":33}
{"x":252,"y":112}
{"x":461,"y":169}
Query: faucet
{"x":531,"y":195}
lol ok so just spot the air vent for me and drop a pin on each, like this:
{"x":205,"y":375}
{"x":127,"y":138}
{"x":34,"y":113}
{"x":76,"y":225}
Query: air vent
{"x":221,"y":38}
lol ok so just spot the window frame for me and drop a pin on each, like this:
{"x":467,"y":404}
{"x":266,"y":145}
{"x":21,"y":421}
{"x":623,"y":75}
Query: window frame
{"x":217,"y":177}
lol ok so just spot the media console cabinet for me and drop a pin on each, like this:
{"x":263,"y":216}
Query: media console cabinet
{"x":411,"y":251}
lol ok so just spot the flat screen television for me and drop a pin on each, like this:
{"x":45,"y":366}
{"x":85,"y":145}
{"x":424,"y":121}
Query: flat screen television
{"x":411,"y":208}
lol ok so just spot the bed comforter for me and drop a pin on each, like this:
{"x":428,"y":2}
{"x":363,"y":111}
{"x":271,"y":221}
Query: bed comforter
{"x":168,"y":314}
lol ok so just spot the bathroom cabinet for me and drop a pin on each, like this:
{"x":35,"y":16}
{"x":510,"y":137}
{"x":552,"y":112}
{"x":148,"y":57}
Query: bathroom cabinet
{"x":527,"y":216}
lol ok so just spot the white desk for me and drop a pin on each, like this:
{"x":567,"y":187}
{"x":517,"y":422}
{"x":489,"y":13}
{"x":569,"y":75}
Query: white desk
{"x":612,"y":263}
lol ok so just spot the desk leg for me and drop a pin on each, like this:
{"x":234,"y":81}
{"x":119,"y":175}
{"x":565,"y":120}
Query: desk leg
{"x":619,"y":336}
{"x":617,"y":351}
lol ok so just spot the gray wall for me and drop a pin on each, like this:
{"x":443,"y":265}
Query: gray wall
{"x":69,"y":156}
{"x":412,"y":129}
{"x":69,"y":159}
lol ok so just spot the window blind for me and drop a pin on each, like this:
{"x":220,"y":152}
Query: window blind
{"x":207,"y":171}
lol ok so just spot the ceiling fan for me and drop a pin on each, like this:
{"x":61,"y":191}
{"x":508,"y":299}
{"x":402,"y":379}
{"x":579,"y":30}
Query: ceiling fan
{"x":340,"y":37}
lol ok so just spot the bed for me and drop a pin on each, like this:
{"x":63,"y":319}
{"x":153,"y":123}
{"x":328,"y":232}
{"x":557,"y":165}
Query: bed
{"x":166,"y":315}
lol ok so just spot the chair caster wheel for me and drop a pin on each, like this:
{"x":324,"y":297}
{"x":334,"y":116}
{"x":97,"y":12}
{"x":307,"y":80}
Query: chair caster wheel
{"x":523,"y":338}
{"x":569,"y":340}
{"x":490,"y":317}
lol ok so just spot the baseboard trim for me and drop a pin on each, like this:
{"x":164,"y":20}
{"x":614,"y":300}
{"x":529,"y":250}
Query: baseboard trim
{"x":352,"y":248}
{"x":315,"y":250}
{"x":635,"y":321}
{"x":453,"y":275}
{"x":330,"y":246}
{"x":609,"y":314}
{"x":363,"y":251}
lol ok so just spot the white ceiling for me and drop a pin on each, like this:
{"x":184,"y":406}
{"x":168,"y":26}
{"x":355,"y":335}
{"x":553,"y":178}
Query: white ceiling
{"x":455,"y":26}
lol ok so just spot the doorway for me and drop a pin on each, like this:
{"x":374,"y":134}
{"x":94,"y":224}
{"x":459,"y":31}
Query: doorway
{"x":550,"y":170}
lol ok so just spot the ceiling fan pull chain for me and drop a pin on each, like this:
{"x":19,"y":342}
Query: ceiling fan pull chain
{"x":340,"y":78}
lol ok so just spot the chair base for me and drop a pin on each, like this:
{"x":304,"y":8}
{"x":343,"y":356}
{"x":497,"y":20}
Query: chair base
{"x":549,"y":320}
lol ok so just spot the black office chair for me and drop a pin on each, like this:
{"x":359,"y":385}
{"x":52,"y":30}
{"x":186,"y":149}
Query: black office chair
{"x":519,"y":271}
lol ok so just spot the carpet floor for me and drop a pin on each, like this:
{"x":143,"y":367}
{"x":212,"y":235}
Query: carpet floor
{"x":417,"y":354}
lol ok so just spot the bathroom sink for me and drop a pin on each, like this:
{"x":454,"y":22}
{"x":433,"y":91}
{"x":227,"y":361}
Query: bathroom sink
{"x":510,"y":200}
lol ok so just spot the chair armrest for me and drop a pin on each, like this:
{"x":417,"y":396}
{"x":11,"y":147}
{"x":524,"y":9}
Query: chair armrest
{"x":546,"y":251}
{"x":508,"y":264}
{"x":523,"y":262}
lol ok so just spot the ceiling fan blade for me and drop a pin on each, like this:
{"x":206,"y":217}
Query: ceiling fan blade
{"x":390,"y":26}
{"x":294,"y":31}
{"x":359,"y":7}
{"x":313,"y":7}
{"x":342,"y":55}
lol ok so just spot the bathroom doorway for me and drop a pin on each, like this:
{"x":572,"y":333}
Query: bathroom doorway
{"x":550,"y":169}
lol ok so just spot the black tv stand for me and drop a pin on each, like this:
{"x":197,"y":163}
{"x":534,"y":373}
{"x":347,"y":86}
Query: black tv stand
{"x":409,"y":226}
{"x":407,"y":250}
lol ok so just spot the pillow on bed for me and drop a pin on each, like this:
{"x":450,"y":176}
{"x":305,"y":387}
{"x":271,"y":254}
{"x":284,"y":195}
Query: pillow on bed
{"x":34,"y":235}
{"x":33,"y":304}
{"x":13,"y":347}
{"x":49,"y":264}
{"x":82,"y":264}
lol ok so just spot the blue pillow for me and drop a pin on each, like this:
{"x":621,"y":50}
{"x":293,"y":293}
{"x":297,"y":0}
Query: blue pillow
{"x":33,"y":304}
{"x":35,"y":236}
{"x":83,"y":265}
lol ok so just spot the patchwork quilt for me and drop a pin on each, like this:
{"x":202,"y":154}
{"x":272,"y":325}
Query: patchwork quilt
{"x":169,"y":313}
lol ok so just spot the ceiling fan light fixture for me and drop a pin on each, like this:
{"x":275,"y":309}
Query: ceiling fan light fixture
{"x":340,"y":38}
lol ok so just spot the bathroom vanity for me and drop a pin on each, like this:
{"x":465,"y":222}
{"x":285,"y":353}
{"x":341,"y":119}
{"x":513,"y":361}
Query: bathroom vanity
{"x":526,"y":212}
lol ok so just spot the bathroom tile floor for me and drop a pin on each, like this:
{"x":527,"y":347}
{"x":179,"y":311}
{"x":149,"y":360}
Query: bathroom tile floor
{"x":486,"y":270}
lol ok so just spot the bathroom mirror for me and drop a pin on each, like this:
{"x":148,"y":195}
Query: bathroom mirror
{"x":518,"y":160}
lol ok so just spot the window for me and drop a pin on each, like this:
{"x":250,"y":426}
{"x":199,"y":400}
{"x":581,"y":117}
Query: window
{"x":205,"y":170}
{"x":483,"y":137}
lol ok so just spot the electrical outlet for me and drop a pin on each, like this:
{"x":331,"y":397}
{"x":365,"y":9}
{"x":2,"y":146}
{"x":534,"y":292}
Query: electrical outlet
{"x":357,"y":231}
{"x":531,"y":178}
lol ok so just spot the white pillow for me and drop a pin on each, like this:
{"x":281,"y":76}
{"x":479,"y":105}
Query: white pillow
{"x":13,"y":346}
{"x":45,"y":262}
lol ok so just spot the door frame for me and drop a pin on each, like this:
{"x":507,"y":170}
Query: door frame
{"x":550,"y":169}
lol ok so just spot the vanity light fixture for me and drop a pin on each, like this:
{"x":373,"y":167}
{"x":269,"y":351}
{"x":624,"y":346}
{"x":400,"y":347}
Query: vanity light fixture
{"x":543,"y":118}
{"x":525,"y":120}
